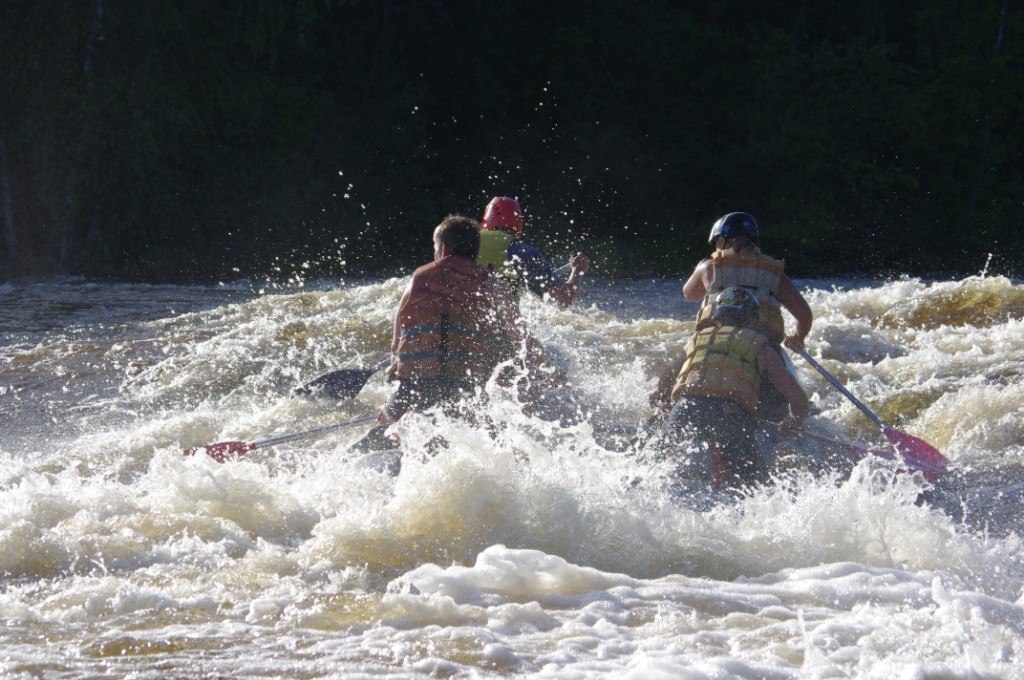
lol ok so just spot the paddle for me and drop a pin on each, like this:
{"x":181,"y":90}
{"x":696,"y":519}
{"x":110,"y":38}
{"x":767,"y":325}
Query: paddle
{"x":915,"y":452}
{"x":931,"y":471}
{"x":348,"y":382}
{"x":223,"y":451}
{"x":343,"y":384}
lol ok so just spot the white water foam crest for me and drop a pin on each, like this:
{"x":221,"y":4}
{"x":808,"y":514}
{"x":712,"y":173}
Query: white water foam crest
{"x":935,"y":383}
{"x":127,"y":555}
{"x":266,"y":345}
{"x":571,"y":498}
{"x":558,"y":618}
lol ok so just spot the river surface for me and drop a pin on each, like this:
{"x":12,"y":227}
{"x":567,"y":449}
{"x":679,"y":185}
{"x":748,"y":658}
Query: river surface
{"x":522,"y":548}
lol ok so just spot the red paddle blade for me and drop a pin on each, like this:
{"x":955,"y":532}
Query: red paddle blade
{"x":222,"y":451}
{"x":918,"y":453}
{"x":931,"y":471}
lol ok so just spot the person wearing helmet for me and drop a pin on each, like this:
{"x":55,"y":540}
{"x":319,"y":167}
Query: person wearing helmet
{"x":453,"y":327}
{"x":519,"y":264}
{"x":738,"y":261}
{"x":713,"y":387}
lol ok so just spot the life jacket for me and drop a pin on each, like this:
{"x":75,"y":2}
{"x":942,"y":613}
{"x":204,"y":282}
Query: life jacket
{"x":722,"y":362}
{"x":754,"y":271}
{"x":494,"y":245}
{"x":494,"y":249}
{"x":448,"y":326}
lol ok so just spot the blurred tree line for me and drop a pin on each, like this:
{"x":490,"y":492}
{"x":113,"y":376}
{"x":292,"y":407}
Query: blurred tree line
{"x":213,"y":139}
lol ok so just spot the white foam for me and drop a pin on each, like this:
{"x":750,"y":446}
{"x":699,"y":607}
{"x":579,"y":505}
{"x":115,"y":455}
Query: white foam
{"x":516,"y":545}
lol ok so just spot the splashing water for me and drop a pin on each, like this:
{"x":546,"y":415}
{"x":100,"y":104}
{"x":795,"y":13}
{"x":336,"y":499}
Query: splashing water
{"x":520,"y":545}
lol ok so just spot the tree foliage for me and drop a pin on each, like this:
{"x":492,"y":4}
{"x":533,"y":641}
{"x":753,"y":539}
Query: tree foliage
{"x":190,"y":140}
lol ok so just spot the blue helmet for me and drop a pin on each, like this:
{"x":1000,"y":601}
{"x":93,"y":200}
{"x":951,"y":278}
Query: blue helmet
{"x":736,"y":307}
{"x":734,"y":224}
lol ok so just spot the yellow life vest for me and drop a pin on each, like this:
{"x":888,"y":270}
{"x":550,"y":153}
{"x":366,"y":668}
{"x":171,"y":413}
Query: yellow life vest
{"x":493,"y":256}
{"x":494,"y":249}
{"x":754,"y":271}
{"x":722,"y":362}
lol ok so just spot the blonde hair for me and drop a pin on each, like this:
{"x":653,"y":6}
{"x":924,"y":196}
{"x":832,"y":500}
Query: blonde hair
{"x":740,"y":243}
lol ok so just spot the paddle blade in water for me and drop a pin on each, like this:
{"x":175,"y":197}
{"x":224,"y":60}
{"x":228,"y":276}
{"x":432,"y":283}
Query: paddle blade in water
{"x":222,"y":451}
{"x":918,"y":453}
{"x":931,"y":471}
{"x":343,"y":384}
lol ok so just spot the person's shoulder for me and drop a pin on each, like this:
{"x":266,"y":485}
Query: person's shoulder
{"x":523,"y":249}
{"x":423,"y":268}
{"x":770,"y":259}
{"x":703,"y":266}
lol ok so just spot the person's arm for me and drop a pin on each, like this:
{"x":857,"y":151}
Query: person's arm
{"x":795,"y":304}
{"x":383,"y":419}
{"x":541,"y":278}
{"x":696,"y":287}
{"x":397,"y":329}
{"x":566,"y":293}
{"x":799,"y":405}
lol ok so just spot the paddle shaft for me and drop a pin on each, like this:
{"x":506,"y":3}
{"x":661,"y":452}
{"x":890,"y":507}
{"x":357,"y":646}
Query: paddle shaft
{"x":828,"y":441}
{"x":384,"y":363}
{"x":839,"y":386}
{"x":910,"y":449}
{"x":231,"y":450}
{"x":309,"y":433}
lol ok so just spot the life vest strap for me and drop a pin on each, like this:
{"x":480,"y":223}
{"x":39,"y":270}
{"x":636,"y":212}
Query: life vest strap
{"x":435,"y":354}
{"x":442,"y":328}
{"x":761,"y":293}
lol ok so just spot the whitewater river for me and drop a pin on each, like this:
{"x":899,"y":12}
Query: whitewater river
{"x":523,"y":548}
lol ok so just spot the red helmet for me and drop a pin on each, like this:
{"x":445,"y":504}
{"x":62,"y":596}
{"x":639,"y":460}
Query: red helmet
{"x":503,"y":213}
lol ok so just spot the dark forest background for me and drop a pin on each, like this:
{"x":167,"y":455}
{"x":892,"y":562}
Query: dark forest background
{"x":193,"y":140}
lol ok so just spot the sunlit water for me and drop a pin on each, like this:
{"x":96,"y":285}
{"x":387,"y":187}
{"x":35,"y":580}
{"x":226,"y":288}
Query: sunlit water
{"x":524,"y":547}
